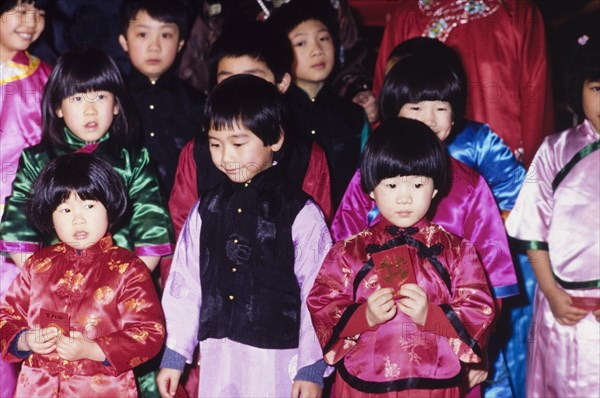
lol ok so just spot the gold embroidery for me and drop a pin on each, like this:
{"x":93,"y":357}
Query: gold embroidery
{"x":134,"y":304}
{"x":104,"y":295}
{"x":138,"y":334}
{"x":71,"y":281}
{"x":99,"y":382}
{"x":41,"y":265}
{"x":117,"y":265}
{"x":159,"y":328}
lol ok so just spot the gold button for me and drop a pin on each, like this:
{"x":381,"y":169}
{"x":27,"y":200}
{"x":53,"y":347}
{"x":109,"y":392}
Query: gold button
{"x":235,"y":241}
{"x":246,"y":185}
{"x":239,"y":210}
{"x":151,"y":106}
{"x":152,"y":134}
{"x":231,"y":297}
{"x":153,"y":82}
{"x":313,"y":132}
{"x":234,"y":269}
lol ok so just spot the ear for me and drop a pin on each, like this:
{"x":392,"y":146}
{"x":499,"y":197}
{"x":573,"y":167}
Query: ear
{"x":284,"y":84}
{"x":372,"y":195}
{"x":277,"y":146}
{"x":116,"y":109}
{"x":435,"y":191}
{"x":123,"y":43}
{"x":59,"y":113}
{"x":180,"y":45}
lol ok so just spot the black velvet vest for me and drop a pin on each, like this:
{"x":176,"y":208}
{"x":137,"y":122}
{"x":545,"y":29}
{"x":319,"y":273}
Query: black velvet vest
{"x":249,"y":290}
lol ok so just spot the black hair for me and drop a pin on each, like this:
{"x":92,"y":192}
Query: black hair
{"x":403,"y":147}
{"x":414,"y":79}
{"x":81,"y":71}
{"x":166,"y":11}
{"x":583,"y":66}
{"x":255,"y":40}
{"x":250,"y":101}
{"x":287,"y":17}
{"x":7,"y":5}
{"x":90,"y":177}
{"x":434,"y":49}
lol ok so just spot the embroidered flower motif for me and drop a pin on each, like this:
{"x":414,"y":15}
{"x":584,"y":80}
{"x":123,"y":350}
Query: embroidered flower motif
{"x":70,"y":284}
{"x":138,"y":334}
{"x":437,"y":28}
{"x":583,"y":39}
{"x":158,"y":327}
{"x":392,"y":370}
{"x":476,"y":7}
{"x":41,"y":265}
{"x":104,"y":295}
{"x":117,"y":265}
{"x":134,"y":304}
{"x":99,"y":382}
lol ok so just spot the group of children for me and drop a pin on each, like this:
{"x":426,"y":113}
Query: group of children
{"x":306,"y":244}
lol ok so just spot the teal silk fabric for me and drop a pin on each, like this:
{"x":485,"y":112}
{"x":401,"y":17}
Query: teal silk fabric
{"x":148,"y":232}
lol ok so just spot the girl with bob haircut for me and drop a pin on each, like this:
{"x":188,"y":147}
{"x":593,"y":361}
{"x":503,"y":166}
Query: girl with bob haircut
{"x":247,"y":277}
{"x":556,"y":221}
{"x":87,"y":349}
{"x":403,"y":294}
{"x":86,"y":108}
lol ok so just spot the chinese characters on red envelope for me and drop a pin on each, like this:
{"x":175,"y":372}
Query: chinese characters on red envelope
{"x":394,"y":268}
{"x":59,"y":320}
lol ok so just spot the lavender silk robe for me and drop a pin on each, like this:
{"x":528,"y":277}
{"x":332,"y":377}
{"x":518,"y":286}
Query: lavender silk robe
{"x":228,"y":368}
{"x":467,"y":210}
{"x":563,"y":360}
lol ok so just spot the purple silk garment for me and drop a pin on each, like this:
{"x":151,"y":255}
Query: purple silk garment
{"x":563,"y":360}
{"x":468,"y":210}
{"x":22,"y":82}
{"x":235,"y":369}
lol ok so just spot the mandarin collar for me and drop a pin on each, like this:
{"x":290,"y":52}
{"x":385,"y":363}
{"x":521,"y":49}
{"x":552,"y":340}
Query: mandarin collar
{"x":76,"y":143}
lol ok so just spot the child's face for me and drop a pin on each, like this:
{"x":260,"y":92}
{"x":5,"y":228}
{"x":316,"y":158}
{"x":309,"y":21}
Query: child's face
{"x":405,"y":200}
{"x":152,"y":45}
{"x":88,"y":115}
{"x":19,"y":27}
{"x":80,"y":223}
{"x":435,"y":114}
{"x":314,"y":54}
{"x":230,"y":66}
{"x":591,"y":103}
{"x":239,"y":153}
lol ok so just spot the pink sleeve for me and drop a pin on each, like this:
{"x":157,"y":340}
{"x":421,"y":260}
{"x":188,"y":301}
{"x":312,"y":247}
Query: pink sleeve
{"x":352,"y":214}
{"x":483,"y":227}
{"x":185,"y":187}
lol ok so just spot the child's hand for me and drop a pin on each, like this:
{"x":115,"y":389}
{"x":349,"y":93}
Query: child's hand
{"x":562,"y":309}
{"x":167,"y":381}
{"x":306,"y":389}
{"x":381,"y":306}
{"x":39,"y":341}
{"x":77,"y":346}
{"x":414,"y":303}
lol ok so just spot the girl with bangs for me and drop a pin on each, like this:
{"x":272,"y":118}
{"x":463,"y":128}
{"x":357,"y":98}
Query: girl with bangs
{"x":86,"y":109}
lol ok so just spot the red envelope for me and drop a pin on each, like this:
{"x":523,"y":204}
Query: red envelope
{"x":394,"y":268}
{"x":59,"y":320}
{"x":586,"y":303}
